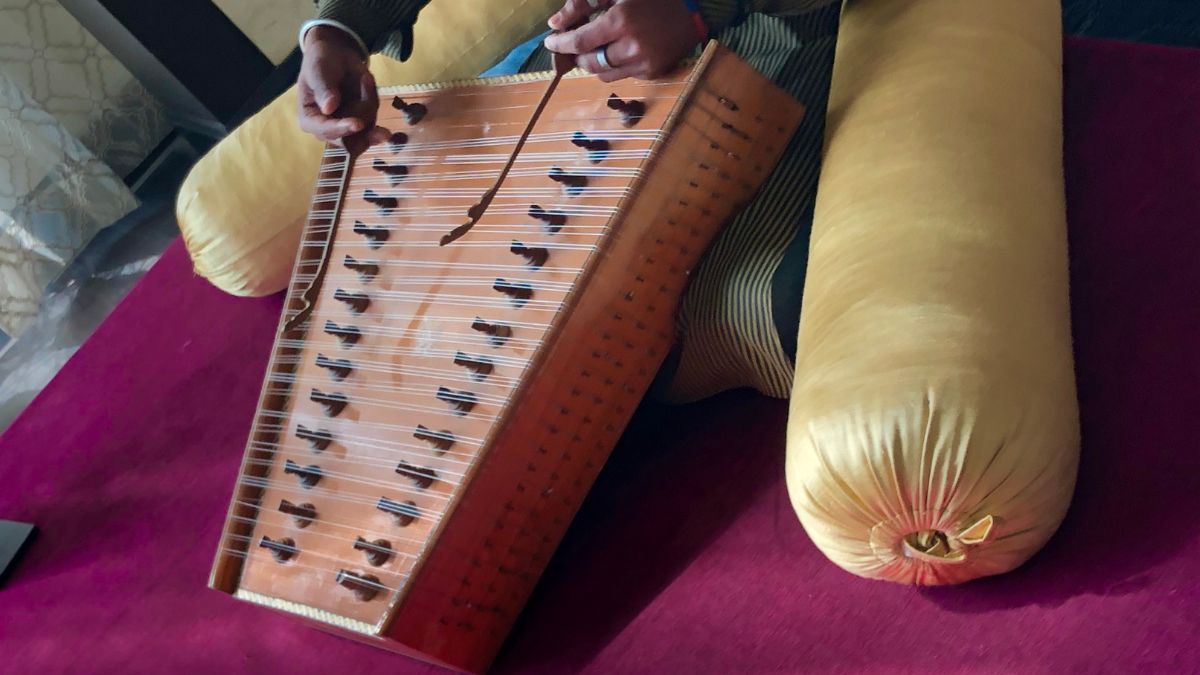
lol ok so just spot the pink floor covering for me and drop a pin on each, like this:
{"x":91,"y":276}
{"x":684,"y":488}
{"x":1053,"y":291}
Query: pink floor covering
{"x":687,"y":557}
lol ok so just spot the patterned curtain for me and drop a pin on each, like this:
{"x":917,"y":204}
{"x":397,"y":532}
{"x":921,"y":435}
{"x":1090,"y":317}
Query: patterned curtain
{"x":72,"y":123}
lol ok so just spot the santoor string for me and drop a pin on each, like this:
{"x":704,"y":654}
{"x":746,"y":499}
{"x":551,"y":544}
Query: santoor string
{"x":396,"y":450}
{"x":405,"y":559}
{"x":429,"y":391}
{"x":298,"y":491}
{"x":326,"y":522}
{"x":246,"y":555}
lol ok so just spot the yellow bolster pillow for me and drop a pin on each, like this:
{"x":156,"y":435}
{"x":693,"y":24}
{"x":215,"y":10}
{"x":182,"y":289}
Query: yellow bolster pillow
{"x":933,"y":435}
{"x":242,"y":207}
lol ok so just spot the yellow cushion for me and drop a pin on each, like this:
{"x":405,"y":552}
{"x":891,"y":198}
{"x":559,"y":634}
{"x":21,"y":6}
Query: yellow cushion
{"x":242,"y":208}
{"x":934,"y":434}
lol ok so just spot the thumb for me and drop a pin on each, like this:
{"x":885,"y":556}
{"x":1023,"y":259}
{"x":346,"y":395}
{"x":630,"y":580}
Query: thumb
{"x":327,"y":98}
{"x":325,"y":88}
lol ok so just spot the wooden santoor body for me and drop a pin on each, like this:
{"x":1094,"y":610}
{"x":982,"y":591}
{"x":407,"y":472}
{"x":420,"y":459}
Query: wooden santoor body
{"x":478,"y":387}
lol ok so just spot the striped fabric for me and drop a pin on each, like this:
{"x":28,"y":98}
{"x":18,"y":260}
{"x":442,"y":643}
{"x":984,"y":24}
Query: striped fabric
{"x":743,"y":302}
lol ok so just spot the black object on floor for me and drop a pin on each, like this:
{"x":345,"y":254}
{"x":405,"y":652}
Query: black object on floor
{"x":14,"y":537}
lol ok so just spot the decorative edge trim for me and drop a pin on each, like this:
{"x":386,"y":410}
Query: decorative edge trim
{"x":307,"y":612}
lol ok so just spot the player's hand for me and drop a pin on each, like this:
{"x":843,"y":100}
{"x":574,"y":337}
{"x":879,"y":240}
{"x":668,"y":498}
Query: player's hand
{"x":337,"y":93}
{"x":644,"y":39}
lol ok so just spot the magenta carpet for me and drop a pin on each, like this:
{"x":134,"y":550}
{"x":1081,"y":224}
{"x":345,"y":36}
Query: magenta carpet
{"x":687,"y":557}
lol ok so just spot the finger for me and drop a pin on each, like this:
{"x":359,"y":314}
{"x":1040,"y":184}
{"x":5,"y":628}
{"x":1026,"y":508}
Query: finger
{"x":369,"y":95}
{"x":327,"y":128}
{"x":620,"y":54}
{"x":379,"y":135}
{"x":323,"y":77}
{"x":576,"y":11}
{"x":602,"y":31}
{"x":619,"y":74}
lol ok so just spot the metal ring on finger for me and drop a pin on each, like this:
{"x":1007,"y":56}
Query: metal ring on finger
{"x":602,"y":58}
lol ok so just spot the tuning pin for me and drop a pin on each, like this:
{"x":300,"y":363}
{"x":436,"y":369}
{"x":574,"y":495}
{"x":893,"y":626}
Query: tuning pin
{"x":283,"y":549}
{"x":309,"y":475}
{"x":461,"y":402}
{"x":404,"y":512}
{"x":385,"y":204}
{"x":318,"y":440}
{"x":423,"y":478}
{"x":413,"y":112}
{"x":631,"y":111}
{"x":536,"y":257}
{"x":304,"y":514}
{"x":394,"y":172}
{"x":441,"y":441}
{"x":357,"y":302}
{"x":518,"y":292}
{"x":347,"y":335}
{"x":374,"y":234}
{"x":334,"y":403}
{"x":497,"y":333}
{"x":572,"y":183}
{"x":554,"y":220}
{"x":365,"y":586}
{"x":397,"y":141}
{"x":378,"y":551}
{"x":597,"y":149}
{"x":367,"y":271}
{"x":339,"y":369}
{"x":479,"y":366}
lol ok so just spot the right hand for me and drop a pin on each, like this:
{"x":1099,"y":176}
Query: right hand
{"x":337,"y":93}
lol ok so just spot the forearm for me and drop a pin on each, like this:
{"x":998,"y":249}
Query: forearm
{"x":375,"y":21}
{"x":720,"y":14}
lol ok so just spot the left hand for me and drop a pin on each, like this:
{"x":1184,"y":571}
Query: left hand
{"x":644,"y":39}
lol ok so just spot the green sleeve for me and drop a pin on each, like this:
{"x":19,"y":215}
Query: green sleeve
{"x":385,"y":25}
{"x":721,"y":14}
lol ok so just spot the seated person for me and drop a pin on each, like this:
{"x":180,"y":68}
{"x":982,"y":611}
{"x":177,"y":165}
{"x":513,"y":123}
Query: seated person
{"x":739,"y":318}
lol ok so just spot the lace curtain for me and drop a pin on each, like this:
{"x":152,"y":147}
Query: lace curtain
{"x":72,"y":123}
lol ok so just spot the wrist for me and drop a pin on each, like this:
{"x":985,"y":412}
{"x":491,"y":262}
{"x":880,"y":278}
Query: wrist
{"x":330,"y":32}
